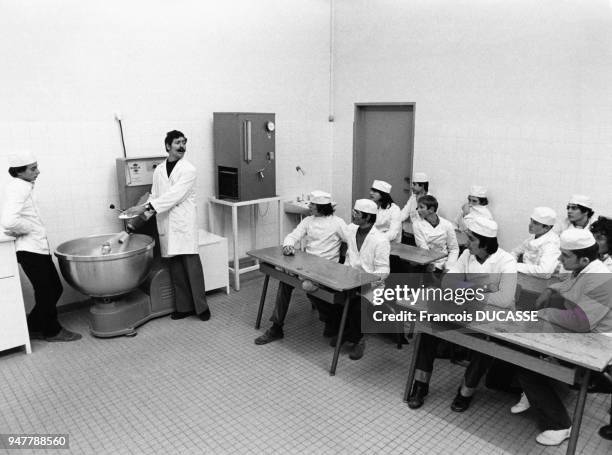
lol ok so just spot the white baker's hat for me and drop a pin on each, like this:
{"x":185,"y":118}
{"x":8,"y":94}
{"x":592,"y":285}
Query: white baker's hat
{"x":366,"y":206}
{"x":581,"y":199}
{"x":320,"y":197}
{"x":576,"y":239}
{"x":22,"y":158}
{"x":420,"y":177}
{"x":544,"y":215}
{"x":481,"y":225}
{"x":381,"y":185}
{"x":478,"y":191}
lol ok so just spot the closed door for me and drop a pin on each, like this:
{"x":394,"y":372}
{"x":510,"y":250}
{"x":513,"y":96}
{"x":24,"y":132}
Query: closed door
{"x":383,"y":148}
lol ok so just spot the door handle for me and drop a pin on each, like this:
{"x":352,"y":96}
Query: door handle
{"x":248,"y":148}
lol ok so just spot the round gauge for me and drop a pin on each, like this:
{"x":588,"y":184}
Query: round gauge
{"x":270,"y":126}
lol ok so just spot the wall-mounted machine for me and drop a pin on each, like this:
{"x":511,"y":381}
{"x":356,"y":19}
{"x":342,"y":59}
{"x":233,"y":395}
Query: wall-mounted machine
{"x":244,"y":145}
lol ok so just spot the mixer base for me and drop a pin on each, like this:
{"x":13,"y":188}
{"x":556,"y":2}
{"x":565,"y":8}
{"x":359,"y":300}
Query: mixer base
{"x":119,"y":317}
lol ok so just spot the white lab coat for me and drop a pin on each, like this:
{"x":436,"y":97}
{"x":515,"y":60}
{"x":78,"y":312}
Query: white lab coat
{"x":372,"y":258}
{"x":174,"y":200}
{"x":607,"y":261}
{"x":499,"y":269}
{"x":322,"y":234}
{"x":21,"y":218}
{"x":388,"y":221}
{"x":476,"y":210}
{"x":540,"y":256}
{"x":409,"y":213}
{"x":441,"y":238}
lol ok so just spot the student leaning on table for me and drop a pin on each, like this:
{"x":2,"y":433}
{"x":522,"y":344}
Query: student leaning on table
{"x":432,"y":232}
{"x":495,"y":270}
{"x":580,"y":304}
{"x":539,"y":253}
{"x":322,"y":232}
{"x":368,"y":250}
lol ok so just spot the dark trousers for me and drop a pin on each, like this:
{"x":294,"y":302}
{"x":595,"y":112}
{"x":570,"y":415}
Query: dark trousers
{"x":352,"y":328}
{"x":479,"y":363}
{"x":41,"y":272}
{"x":543,"y":398}
{"x":283,"y":298}
{"x":188,"y":279}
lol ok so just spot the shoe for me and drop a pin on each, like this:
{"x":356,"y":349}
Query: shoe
{"x":330,"y":331}
{"x":205,"y":315}
{"x":521,"y":406}
{"x":272,"y":334}
{"x":357,"y":350}
{"x":553,"y":437}
{"x":64,"y":335}
{"x":460,"y":403}
{"x":418,"y":394}
{"x":180,"y":314}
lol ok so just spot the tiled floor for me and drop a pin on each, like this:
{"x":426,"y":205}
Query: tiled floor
{"x":203,"y":387}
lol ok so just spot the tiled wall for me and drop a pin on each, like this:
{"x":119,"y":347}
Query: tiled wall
{"x":164,"y":66}
{"x":514,"y":96}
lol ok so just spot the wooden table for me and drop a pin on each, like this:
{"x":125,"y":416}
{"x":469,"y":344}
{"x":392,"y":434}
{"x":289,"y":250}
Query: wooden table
{"x":236,"y":270}
{"x":414,"y":254}
{"x":337,"y":283}
{"x":581,"y":352}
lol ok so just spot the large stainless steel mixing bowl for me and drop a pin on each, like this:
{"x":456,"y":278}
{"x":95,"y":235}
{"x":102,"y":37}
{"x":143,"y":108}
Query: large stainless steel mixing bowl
{"x":89,"y":266}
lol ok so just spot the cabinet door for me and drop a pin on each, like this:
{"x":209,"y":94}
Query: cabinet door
{"x":13,"y":326}
{"x":214,"y":264}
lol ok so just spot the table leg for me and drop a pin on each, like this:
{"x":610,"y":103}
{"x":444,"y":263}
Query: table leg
{"x":280,"y":222}
{"x":211,"y":227}
{"x":235,"y":243}
{"x":262,"y":300}
{"x":332,"y":370}
{"x":578,"y":411}
{"x":415,"y":351}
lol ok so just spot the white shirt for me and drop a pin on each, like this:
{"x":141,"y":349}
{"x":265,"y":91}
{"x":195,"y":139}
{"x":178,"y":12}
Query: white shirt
{"x":441,"y":238}
{"x":388,"y":222}
{"x":323,"y":236}
{"x":607,"y":261}
{"x":591,"y":290}
{"x":373,"y":257}
{"x":475,"y":210}
{"x":174,"y":199}
{"x":540,"y":256}
{"x":21,"y":218}
{"x":498,"y":270}
{"x":566,"y":224}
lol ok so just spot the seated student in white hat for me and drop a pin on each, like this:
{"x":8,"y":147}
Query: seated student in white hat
{"x":21,"y":219}
{"x":409,"y":214}
{"x":496,"y":272}
{"x":323,"y":233}
{"x":432,"y":232}
{"x":368,"y":250}
{"x":476,"y":205}
{"x":388,"y":217}
{"x":602,"y":231}
{"x":580,"y":214}
{"x":539,"y":253}
{"x":579,"y":304}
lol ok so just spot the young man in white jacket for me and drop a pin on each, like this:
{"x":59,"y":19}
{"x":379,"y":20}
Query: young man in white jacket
{"x":21,"y":219}
{"x":432,"y":232}
{"x":409,"y":214}
{"x":476,"y":206}
{"x":388,"y":216}
{"x":322,"y":232}
{"x":539,"y":253}
{"x":368,"y":250}
{"x":488,"y":268}
{"x":173,"y":200}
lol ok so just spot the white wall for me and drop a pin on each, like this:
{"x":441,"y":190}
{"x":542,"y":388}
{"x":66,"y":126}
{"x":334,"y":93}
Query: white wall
{"x":514,"y":95}
{"x":69,"y":64}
